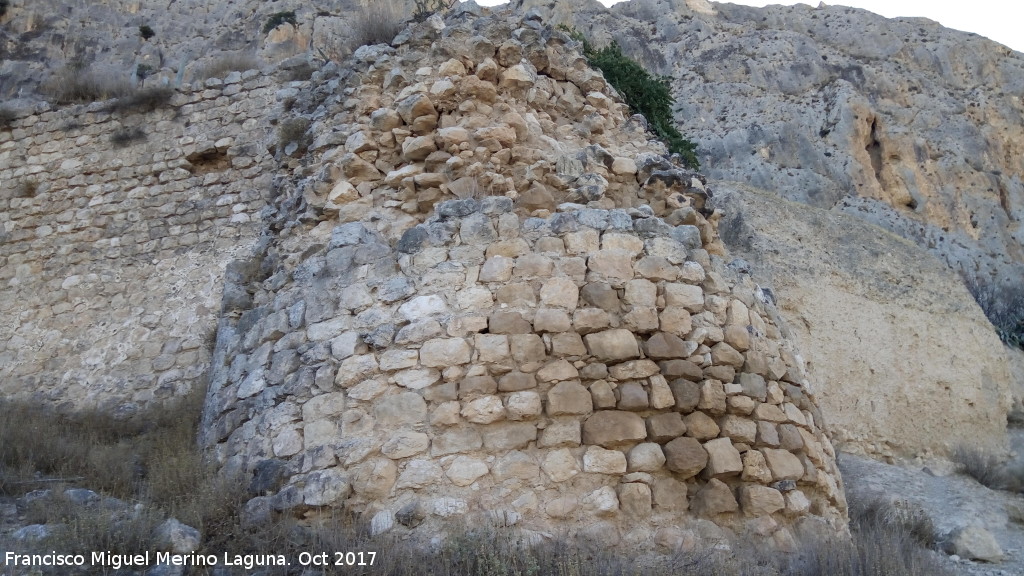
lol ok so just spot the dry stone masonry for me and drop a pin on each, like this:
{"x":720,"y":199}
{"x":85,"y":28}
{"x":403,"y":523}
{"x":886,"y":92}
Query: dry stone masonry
{"x":560,"y":370}
{"x":493,"y":296}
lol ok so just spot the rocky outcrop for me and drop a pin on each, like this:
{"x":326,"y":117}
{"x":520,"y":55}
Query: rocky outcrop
{"x":488,"y":294}
{"x":39,"y":38}
{"x":907,"y":362}
{"x":901,"y":122}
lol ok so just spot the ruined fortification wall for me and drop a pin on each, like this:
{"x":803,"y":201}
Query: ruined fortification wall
{"x":112,"y":252}
{"x":592,"y":370}
{"x":493,"y":296}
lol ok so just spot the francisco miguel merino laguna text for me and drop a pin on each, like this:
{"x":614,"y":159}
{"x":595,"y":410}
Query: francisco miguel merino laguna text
{"x":118,"y":561}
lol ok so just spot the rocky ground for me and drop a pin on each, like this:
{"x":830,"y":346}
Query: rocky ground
{"x":951,"y":500}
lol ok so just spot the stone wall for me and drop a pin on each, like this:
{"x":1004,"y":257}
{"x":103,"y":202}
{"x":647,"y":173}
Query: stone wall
{"x":491,"y":294}
{"x":585,"y":370}
{"x":115,"y":228}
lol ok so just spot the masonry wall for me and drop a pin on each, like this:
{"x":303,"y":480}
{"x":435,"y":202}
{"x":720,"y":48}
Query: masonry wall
{"x":115,"y":228}
{"x":594,"y":370}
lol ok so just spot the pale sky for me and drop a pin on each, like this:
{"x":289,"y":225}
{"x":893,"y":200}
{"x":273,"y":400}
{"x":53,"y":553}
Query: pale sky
{"x":999,"y":20}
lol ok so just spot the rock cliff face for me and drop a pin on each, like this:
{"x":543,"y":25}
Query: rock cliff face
{"x":492,"y":295}
{"x":900,"y":123}
{"x":908,"y":363}
{"x":38,"y":38}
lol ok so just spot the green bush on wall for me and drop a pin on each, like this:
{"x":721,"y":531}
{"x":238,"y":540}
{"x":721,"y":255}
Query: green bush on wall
{"x":645,"y":94}
{"x":279,"y":18}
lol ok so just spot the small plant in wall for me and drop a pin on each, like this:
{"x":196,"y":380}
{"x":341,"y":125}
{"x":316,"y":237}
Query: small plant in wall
{"x":279,"y":18}
{"x":143,"y":71}
{"x":28,"y":188}
{"x":146,"y":32}
{"x":124,"y":136}
{"x":4,"y":5}
{"x":645,"y":94}
{"x":424,"y":8}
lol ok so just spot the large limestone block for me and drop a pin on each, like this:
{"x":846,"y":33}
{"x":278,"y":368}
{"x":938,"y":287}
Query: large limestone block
{"x":610,"y":428}
{"x":560,"y":465}
{"x":443,"y":352}
{"x":783,"y":464}
{"x":612,"y":345}
{"x":635,"y":499}
{"x":686,"y":457}
{"x":569,"y":398}
{"x":975,"y":543}
{"x":405,"y":444}
{"x":465,"y":470}
{"x":760,"y":500}
{"x":601,"y":461}
{"x":646,"y":457}
{"x":723,"y":458}
{"x":713,"y":499}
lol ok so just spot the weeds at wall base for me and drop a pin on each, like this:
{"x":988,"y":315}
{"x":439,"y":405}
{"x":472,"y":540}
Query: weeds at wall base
{"x":989,"y":470}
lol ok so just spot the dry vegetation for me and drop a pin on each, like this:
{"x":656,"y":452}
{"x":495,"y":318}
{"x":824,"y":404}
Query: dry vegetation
{"x":82,"y":85}
{"x":152,"y":459}
{"x":7,"y":117}
{"x":989,"y":470}
{"x":225,"y":64}
{"x":293,"y":130}
{"x":74,"y":84}
{"x":1003,"y":305}
{"x":125,"y":136}
{"x":378,"y":23}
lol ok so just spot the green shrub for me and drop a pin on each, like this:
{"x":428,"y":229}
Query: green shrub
{"x":278,"y":18}
{"x":643,"y":93}
{"x":4,"y":5}
{"x":146,"y":32}
{"x":143,"y":71}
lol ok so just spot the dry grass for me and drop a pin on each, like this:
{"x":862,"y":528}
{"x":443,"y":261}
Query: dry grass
{"x":885,"y":540}
{"x":378,"y":23}
{"x":82,"y":84}
{"x":225,"y":64}
{"x":28,"y":188}
{"x":142,"y":100}
{"x":878,"y":515}
{"x":989,"y":470}
{"x":125,"y":136}
{"x":293,"y":130}
{"x":152,"y":459}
